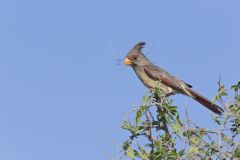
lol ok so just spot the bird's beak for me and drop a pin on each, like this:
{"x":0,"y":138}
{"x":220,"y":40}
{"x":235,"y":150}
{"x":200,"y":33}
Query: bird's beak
{"x":127,"y":61}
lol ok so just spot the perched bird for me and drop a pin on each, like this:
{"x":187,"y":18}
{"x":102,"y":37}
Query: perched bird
{"x":152,"y":75}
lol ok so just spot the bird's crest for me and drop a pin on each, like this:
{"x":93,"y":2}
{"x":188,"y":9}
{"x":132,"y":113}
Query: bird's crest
{"x":139,"y":46}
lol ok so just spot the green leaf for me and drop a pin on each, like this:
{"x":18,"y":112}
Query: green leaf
{"x":237,"y":153}
{"x":142,"y":153}
{"x":177,"y":128}
{"x":181,"y":152}
{"x":193,"y":150}
{"x":126,"y":125}
{"x":140,"y":112}
{"x":143,"y":156}
{"x":146,"y":99}
{"x":172,"y":156}
{"x":129,"y":152}
{"x":216,"y":119}
{"x":221,"y":92}
{"x":236,"y":87}
{"x":238,"y":99}
{"x":138,"y":116}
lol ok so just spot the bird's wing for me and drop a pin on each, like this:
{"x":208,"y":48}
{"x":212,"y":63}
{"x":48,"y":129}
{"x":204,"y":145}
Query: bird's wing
{"x":165,"y":78}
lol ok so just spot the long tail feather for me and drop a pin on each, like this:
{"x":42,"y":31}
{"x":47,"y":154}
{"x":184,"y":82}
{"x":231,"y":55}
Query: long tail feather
{"x":205,"y":102}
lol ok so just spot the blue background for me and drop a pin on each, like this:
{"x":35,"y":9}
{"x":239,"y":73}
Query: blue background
{"x":62,"y":94}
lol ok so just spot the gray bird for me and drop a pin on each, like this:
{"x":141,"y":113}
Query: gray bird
{"x":152,"y":76}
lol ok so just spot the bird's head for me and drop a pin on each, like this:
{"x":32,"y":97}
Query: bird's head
{"x":135,"y":57}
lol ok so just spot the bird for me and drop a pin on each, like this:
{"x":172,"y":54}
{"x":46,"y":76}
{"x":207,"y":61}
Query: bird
{"x":152,"y":76}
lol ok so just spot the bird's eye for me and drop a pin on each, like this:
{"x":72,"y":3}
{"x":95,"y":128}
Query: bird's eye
{"x":134,"y":58}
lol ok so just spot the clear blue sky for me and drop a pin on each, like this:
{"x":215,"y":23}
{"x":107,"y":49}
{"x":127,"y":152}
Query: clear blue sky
{"x":62,"y":96}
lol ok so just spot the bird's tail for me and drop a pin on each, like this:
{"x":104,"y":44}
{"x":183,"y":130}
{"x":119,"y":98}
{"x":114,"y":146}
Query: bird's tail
{"x":205,"y":102}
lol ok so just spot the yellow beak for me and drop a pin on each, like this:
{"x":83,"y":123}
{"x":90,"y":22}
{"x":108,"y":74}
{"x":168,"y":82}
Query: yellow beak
{"x":127,"y":61}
